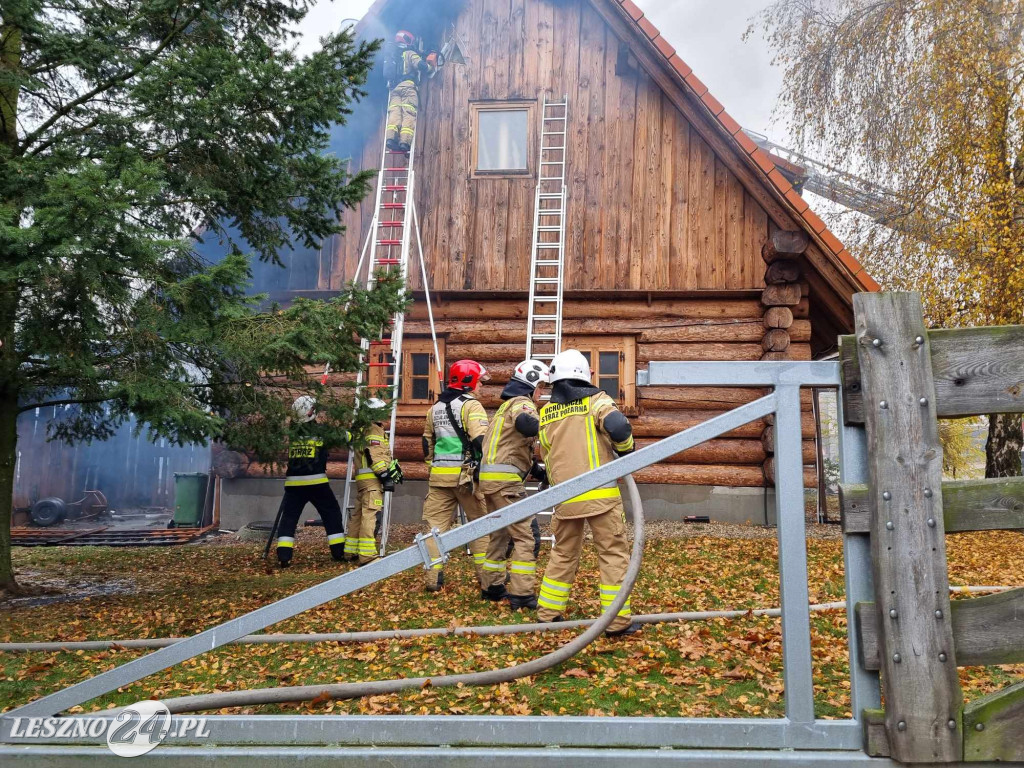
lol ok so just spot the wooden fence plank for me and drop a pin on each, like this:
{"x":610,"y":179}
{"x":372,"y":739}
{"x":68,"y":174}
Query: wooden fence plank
{"x":967,"y":505}
{"x":923,"y":699}
{"x":986,"y":630}
{"x":994,"y":726}
{"x":976,"y":370}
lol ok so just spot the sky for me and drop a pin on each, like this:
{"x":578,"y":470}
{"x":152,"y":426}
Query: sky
{"x":707,"y":34}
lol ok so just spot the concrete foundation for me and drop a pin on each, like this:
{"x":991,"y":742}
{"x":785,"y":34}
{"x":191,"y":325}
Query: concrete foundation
{"x":250,"y":499}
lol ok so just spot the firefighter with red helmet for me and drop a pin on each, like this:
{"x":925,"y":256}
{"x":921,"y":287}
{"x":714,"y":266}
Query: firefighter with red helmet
{"x":404,"y":70}
{"x":452,"y":446}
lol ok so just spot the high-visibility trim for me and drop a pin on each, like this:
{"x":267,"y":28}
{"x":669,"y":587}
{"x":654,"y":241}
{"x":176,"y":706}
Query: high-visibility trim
{"x":494,"y":565}
{"x":445,"y":470}
{"x":608,"y":594}
{"x":502,"y":476}
{"x":499,"y":419}
{"x":379,"y":466}
{"x":285,"y":541}
{"x":351,"y":545}
{"x":523,"y":566}
{"x":479,"y":557}
{"x":335,"y":538}
{"x":299,"y":480}
{"x":560,"y":586}
{"x":363,"y":474}
{"x":477,"y":417}
{"x":544,"y":442}
{"x":378,"y":502}
{"x":625,"y":445}
{"x":592,"y":456}
{"x":543,"y":603}
{"x":597,"y":493}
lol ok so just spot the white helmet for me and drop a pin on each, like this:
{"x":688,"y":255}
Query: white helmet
{"x":570,"y":364}
{"x":531,"y":373}
{"x":304,"y":409}
{"x":376,"y":403}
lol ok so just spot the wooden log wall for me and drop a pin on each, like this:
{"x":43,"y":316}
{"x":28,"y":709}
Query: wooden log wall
{"x":719,"y":328}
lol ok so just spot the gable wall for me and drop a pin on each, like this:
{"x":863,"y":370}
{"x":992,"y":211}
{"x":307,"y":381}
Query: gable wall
{"x":650,"y":205}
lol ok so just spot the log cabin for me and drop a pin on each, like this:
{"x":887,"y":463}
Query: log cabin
{"x":683,"y":240}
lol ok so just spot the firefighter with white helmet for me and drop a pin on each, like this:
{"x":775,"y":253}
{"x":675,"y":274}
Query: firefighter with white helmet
{"x":507,"y":460}
{"x":452,"y":446}
{"x":376,"y":473}
{"x":580,"y":430}
{"x":306,"y":483}
{"x":404,"y":70}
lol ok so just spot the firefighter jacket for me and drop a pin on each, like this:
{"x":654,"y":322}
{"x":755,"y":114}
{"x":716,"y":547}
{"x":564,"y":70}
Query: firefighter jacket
{"x":410,"y":67}
{"x":573,"y":440}
{"x":446,"y":455}
{"x":508,"y":454}
{"x":373,"y":460}
{"x":307,"y":461}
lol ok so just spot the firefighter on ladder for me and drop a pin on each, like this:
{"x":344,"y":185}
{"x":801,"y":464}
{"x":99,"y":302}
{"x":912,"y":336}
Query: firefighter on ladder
{"x":580,"y":430}
{"x":508,"y":459}
{"x":376,"y":473}
{"x":404,"y":72}
{"x":306,"y":483}
{"x":452,"y":446}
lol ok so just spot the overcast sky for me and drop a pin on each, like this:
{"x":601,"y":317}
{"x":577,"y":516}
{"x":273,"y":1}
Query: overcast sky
{"x":706,"y":33}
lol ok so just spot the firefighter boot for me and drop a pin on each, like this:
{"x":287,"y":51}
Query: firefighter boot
{"x":632,"y":629}
{"x":438,"y":585}
{"x":495,"y":593}
{"x":522,"y":602}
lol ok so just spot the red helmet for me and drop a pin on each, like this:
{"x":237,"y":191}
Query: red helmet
{"x":466,"y":374}
{"x":405,"y":38}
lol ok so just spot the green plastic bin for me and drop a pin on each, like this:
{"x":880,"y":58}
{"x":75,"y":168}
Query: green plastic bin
{"x":189,"y":498}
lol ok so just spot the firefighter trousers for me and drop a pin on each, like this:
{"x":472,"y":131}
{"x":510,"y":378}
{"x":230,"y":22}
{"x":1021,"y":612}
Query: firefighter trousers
{"x":360,"y":540}
{"x":296,"y":497}
{"x":523,"y":581}
{"x":438,"y":509}
{"x":402,"y":106}
{"x":609,"y":530}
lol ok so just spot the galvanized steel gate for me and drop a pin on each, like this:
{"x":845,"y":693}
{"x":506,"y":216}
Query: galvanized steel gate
{"x":796,"y":739}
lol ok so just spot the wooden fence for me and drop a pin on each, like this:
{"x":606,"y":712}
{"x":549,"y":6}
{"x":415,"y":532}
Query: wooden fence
{"x":898,"y":380}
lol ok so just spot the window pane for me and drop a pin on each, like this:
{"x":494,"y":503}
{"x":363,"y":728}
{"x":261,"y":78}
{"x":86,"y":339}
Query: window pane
{"x":609,"y":384}
{"x":421,"y":388}
{"x":421,"y":364}
{"x":609,"y":364}
{"x":501,"y":143}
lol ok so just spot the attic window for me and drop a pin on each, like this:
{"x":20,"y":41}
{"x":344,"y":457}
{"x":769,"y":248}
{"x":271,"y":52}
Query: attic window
{"x":502,"y":138}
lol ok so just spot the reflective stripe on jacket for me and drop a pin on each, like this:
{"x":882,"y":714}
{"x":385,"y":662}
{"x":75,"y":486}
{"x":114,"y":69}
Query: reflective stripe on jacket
{"x":447,"y":456}
{"x":307,"y":462}
{"x":379,"y":453}
{"x":573,"y":441}
{"x":508,"y":455}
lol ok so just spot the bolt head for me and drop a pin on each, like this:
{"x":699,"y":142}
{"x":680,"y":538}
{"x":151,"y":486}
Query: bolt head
{"x":951,"y":724}
{"x":927,"y":493}
{"x":942,"y":657}
{"x":892,"y":613}
{"x":897,"y":658}
{"x":938,"y":614}
{"x":931,"y":522}
{"x":919,"y":340}
{"x":876,"y":343}
{"x":883,"y":404}
{"x":889,"y":526}
{"x":901,"y":726}
{"x":923,"y":401}
{"x":979,"y":727}
{"x":886,"y":495}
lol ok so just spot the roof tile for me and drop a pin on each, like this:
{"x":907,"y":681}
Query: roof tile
{"x":797,"y":201}
{"x":664,"y":46}
{"x":696,"y":84}
{"x":849,"y":262}
{"x":712,"y":103}
{"x":746,"y":142}
{"x":730,"y":125}
{"x":832,"y":242}
{"x":762,"y":159}
{"x":649,"y":29}
{"x":867,"y":281}
{"x":815,"y":221}
{"x":680,"y":66}
{"x":630,"y":7}
{"x":780,"y":181}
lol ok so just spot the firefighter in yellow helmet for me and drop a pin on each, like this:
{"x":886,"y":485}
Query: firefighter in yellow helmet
{"x":580,"y":430}
{"x":452,"y":446}
{"x":376,"y":473}
{"x":507,"y":460}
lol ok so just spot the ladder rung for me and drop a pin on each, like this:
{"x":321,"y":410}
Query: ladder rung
{"x":387,"y":261}
{"x":544,"y":336}
{"x":548,"y":263}
{"x":537,"y":318}
{"x":549,"y":245}
{"x":546,"y":280}
{"x":542,"y":356}
{"x":395,"y":187}
{"x":390,"y":223}
{"x":550,"y":178}
{"x":549,"y":211}
{"x":395,"y":170}
{"x":389,"y":242}
{"x":392,"y":205}
{"x":548,"y":195}
{"x":551,"y":228}
{"x":380,"y":365}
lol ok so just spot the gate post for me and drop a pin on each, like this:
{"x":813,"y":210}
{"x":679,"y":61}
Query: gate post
{"x":923,"y":700}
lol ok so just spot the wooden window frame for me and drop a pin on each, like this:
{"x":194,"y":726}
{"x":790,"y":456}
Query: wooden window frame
{"x":413,"y":345}
{"x":626,"y":347}
{"x":475,"y":108}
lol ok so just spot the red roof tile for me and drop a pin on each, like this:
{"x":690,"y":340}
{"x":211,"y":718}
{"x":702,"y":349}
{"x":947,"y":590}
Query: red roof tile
{"x":732,"y":126}
{"x":761,"y":158}
{"x":746,"y":142}
{"x":649,"y":29}
{"x":867,"y":281}
{"x":781,"y":182}
{"x":680,"y":66}
{"x":630,"y":7}
{"x":695,"y":83}
{"x":713,"y":104}
{"x":832,"y":242}
{"x":798,"y":202}
{"x":663,"y":45}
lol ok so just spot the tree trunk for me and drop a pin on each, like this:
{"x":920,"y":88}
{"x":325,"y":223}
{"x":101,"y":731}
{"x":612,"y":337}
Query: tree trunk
{"x":1003,"y":447}
{"x":8,"y":457}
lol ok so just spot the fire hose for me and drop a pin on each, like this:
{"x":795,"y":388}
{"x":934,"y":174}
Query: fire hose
{"x":299,"y":693}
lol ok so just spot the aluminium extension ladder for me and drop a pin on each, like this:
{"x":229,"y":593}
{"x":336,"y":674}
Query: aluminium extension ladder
{"x":389,"y":236}
{"x":547,"y":257}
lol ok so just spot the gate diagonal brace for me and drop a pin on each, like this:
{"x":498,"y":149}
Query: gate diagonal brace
{"x":421,"y":544}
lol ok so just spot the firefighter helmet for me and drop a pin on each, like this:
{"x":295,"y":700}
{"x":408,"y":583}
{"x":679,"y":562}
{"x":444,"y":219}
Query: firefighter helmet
{"x":304,"y":409}
{"x":570,"y":364}
{"x":405,"y":39}
{"x":531,"y":372}
{"x":376,"y":403}
{"x":466,"y":374}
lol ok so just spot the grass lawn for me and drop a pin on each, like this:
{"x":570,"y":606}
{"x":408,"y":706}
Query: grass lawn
{"x":714,"y":668}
